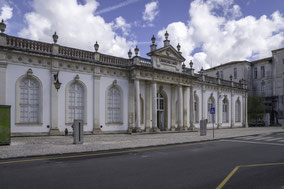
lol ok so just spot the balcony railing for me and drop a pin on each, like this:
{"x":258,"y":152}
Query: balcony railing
{"x":29,"y":45}
{"x":145,"y":61}
{"x":113,"y":60}
{"x":75,"y":53}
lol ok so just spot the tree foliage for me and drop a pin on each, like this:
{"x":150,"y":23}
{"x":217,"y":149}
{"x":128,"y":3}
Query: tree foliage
{"x":256,"y":108}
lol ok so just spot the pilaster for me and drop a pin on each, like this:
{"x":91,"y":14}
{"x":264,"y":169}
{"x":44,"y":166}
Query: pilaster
{"x":191,"y":108}
{"x":219,"y":109}
{"x":185,"y":108}
{"x":148,"y":107}
{"x":203,"y":105}
{"x":96,"y":104}
{"x":3,"y":68}
{"x":154,"y":106}
{"x":246,"y":109}
{"x":173,"y":107}
{"x":180,"y":108}
{"x":131,"y":106}
{"x":232,"y":110}
{"x":54,"y":106}
{"x":137,"y":106}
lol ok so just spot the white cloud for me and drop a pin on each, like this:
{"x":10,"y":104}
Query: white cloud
{"x":6,"y":12}
{"x":120,"y":23}
{"x":76,"y":26}
{"x":151,"y":11}
{"x":212,"y":38}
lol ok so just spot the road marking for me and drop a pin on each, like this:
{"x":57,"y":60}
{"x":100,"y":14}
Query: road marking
{"x":263,"y":138}
{"x":273,"y":139}
{"x":221,"y":185}
{"x":106,"y":153}
{"x":228,"y":178}
{"x":253,"y":142}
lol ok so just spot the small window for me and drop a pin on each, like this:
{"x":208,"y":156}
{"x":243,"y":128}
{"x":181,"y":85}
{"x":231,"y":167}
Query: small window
{"x":235,"y":73}
{"x":255,"y":73}
{"x":262,"y":71}
{"x":221,"y":74}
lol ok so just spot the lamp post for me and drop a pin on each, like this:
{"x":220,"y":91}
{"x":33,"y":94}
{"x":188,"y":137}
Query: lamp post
{"x":57,"y":84}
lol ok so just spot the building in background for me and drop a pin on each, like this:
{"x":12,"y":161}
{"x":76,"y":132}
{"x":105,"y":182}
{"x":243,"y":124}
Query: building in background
{"x":264,"y":77}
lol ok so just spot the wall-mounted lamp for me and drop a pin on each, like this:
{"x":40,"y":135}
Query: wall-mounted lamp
{"x":57,"y":84}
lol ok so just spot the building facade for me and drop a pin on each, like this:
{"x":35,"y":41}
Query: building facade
{"x":264,"y":77}
{"x":48,"y":86}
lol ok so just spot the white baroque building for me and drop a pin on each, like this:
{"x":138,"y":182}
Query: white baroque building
{"x":110,"y":94}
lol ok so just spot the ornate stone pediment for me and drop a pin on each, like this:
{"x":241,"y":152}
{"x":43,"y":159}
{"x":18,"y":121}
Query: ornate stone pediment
{"x":168,"y":52}
{"x":167,"y":58}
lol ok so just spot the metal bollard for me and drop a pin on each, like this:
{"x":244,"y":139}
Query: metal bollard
{"x":78,"y":132}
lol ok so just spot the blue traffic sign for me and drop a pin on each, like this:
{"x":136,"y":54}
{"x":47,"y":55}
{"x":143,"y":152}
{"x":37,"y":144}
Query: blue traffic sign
{"x":212,"y":110}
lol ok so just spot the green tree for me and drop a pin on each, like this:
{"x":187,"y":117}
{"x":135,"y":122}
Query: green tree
{"x":256,"y":109}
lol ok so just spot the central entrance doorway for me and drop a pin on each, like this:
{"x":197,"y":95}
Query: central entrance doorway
{"x":160,"y":111}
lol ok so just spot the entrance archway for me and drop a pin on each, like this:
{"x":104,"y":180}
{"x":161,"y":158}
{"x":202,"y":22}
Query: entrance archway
{"x":162,"y":110}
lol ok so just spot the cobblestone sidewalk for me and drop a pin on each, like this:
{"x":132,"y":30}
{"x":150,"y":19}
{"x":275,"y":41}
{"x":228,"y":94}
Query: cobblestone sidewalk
{"x":47,"y":145}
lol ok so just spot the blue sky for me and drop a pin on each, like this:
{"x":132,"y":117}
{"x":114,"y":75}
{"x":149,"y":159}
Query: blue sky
{"x":210,"y":32}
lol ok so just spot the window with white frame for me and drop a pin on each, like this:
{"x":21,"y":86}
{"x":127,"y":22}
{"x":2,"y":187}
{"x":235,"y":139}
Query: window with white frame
{"x":238,"y":111}
{"x":76,"y":102}
{"x":196,"y":108}
{"x":29,"y":100}
{"x":211,"y":104}
{"x":114,"y":105}
{"x":225,"y":110}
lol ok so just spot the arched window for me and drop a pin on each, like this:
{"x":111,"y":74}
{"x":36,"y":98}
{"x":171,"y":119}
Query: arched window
{"x":114,"y":103}
{"x":238,"y":111}
{"x":76,"y":102}
{"x":196,"y":108}
{"x":211,"y":104}
{"x":29,"y":100}
{"x":225,"y":110}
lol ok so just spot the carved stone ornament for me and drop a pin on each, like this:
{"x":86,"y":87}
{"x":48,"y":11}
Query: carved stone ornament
{"x":114,"y":83}
{"x":30,"y":72}
{"x":77,"y":77}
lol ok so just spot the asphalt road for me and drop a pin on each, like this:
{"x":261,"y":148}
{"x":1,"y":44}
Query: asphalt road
{"x":254,"y":162}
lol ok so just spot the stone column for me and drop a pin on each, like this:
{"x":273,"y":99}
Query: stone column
{"x":191,"y":108}
{"x":232,"y":110}
{"x":180,"y":108}
{"x":130,"y":106}
{"x":185,"y":108}
{"x":137,"y":105}
{"x":54,"y":106}
{"x":96,"y":104}
{"x":154,"y":106}
{"x":148,"y":107}
{"x":173,"y":107}
{"x":218,"y":110}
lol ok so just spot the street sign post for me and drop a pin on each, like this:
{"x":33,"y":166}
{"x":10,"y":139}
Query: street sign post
{"x":212,"y":112}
